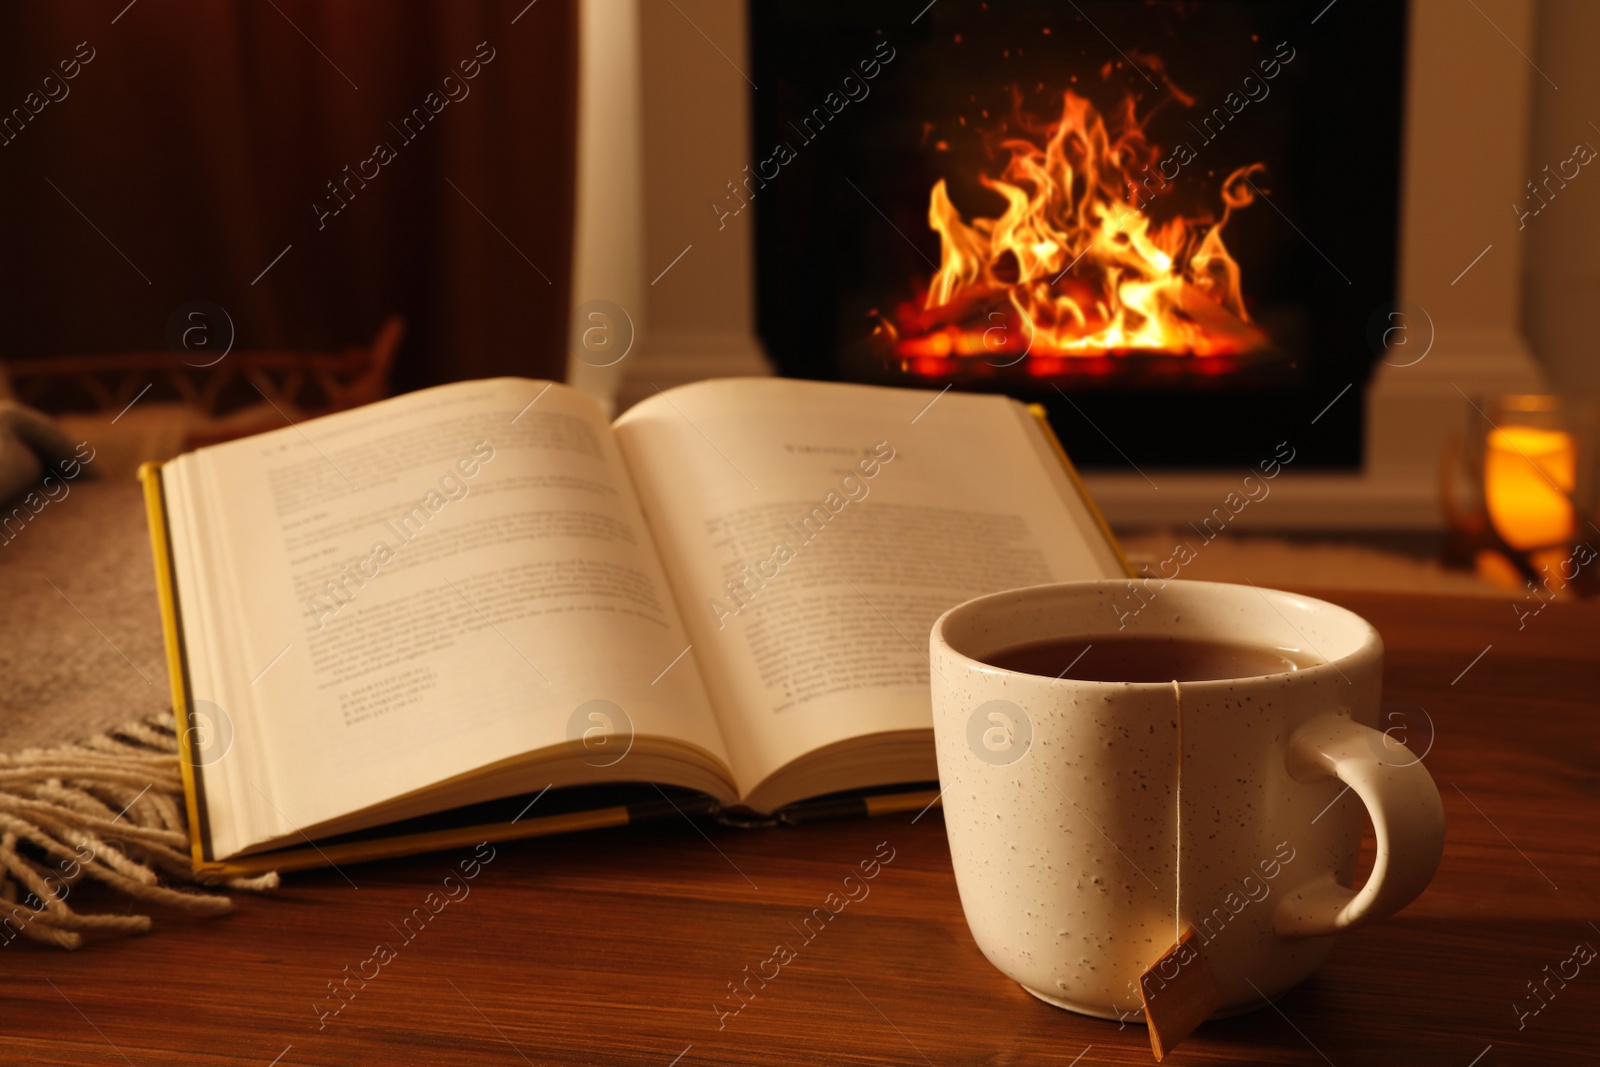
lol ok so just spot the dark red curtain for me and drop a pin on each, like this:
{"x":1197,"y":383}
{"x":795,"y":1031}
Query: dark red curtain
{"x":312,"y":167}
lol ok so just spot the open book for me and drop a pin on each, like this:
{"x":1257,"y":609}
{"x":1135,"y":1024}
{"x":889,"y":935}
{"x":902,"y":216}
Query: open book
{"x":481,"y":591}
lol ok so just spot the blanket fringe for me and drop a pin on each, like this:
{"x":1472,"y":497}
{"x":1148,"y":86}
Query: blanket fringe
{"x":109,"y":809}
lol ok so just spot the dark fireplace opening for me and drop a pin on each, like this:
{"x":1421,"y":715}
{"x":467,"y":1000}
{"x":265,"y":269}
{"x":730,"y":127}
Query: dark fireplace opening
{"x":1172,"y":224}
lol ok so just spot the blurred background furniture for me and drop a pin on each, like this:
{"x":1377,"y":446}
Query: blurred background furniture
{"x":150,"y":406}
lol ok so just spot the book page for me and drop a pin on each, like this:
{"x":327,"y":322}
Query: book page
{"x":814,"y":532}
{"x":407,"y":593}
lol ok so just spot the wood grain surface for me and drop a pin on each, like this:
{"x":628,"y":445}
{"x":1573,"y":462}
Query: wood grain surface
{"x":611,"y":947}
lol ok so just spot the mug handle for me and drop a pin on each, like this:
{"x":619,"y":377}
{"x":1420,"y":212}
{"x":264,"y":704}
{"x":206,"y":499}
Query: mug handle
{"x":1406,"y":812}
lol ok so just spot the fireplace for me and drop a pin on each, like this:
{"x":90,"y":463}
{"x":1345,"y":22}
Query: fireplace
{"x":682,"y":197}
{"x":1169,"y":223}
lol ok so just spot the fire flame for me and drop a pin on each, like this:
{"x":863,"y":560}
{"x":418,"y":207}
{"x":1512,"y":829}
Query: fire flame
{"x":1076,"y":255}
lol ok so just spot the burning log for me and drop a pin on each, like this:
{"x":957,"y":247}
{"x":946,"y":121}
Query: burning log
{"x":1075,"y":266}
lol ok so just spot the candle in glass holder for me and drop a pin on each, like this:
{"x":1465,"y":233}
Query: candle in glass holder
{"x":1528,"y":476}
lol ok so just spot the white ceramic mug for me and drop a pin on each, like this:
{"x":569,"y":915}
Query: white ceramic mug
{"x":1082,"y":844}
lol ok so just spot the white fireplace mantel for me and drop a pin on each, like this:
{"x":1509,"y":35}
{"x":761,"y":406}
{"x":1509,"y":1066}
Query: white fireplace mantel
{"x":663,"y":127}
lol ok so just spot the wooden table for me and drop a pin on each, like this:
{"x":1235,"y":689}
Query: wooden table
{"x":612,"y":947}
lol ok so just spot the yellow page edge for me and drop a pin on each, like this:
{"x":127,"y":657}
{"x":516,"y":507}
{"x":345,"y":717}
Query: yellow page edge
{"x":167,"y":592}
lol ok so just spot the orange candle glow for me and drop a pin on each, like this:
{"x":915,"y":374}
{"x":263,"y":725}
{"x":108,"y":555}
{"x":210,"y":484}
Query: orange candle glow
{"x":1529,"y":476}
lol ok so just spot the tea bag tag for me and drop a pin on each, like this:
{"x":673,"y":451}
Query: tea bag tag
{"x":1178,"y":993}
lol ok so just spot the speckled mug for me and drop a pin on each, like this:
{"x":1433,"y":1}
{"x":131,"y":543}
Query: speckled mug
{"x":1066,"y":803}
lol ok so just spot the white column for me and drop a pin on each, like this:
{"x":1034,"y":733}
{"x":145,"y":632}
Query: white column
{"x":663,"y":120}
{"x":1562,"y":274}
{"x":608,"y":228}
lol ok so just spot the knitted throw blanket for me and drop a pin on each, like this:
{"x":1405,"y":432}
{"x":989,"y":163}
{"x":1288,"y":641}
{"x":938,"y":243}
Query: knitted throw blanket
{"x":109,"y":810}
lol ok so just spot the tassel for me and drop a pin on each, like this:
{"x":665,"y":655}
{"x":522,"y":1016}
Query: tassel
{"x":109,"y":809}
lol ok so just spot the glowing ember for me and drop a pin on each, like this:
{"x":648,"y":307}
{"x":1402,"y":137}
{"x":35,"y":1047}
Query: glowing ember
{"x":1075,"y":267}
